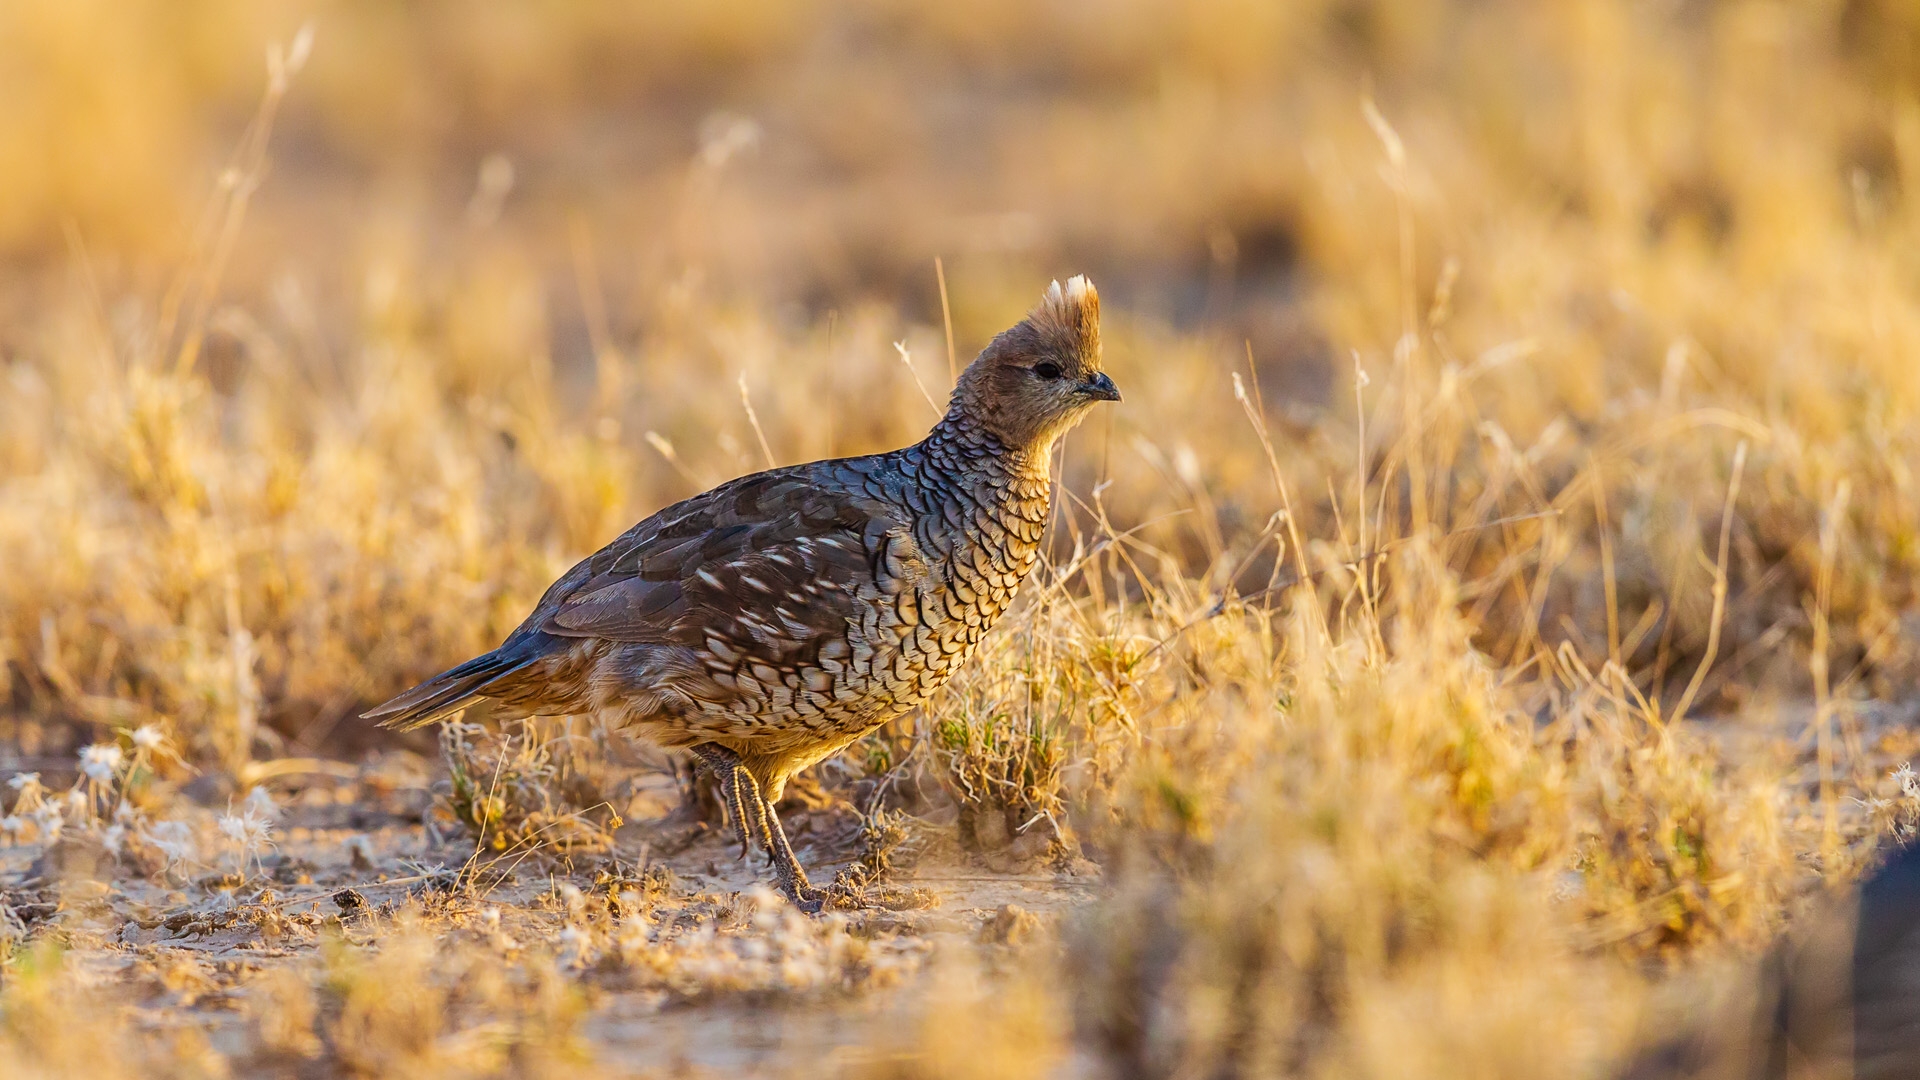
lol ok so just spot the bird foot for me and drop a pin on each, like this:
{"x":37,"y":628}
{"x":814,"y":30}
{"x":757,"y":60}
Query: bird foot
{"x":808,"y":899}
{"x":747,"y":806}
{"x":740,"y":794}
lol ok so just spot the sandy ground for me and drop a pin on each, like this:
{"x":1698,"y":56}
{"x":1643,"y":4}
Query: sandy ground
{"x":719,"y":981}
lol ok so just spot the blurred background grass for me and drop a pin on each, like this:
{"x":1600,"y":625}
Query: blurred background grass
{"x":503,"y":265}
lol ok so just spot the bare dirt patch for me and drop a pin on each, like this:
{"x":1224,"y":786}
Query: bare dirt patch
{"x":664,"y":952}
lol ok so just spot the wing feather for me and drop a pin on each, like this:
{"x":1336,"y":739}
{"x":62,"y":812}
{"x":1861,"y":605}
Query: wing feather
{"x":775,"y":560}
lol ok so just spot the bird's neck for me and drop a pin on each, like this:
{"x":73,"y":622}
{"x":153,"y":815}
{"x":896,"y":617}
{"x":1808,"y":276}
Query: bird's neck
{"x":963,"y":445}
{"x":1003,"y":492}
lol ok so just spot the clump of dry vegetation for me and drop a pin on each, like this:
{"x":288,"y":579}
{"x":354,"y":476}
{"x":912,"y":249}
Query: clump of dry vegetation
{"x":1486,"y":620}
{"x":526,"y":790}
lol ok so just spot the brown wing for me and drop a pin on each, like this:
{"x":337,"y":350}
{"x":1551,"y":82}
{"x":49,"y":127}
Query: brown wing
{"x":773,"y":563}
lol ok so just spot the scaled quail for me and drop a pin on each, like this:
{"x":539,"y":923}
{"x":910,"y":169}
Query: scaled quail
{"x":772,"y":621}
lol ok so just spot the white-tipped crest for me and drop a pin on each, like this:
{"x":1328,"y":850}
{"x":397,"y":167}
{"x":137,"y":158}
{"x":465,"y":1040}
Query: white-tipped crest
{"x":1071,"y":314}
{"x":1077,"y":289}
{"x":1071,"y":302}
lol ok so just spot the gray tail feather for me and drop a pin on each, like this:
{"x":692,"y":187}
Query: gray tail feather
{"x":453,"y":689}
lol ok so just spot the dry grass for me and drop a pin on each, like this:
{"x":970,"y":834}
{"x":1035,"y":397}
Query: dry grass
{"x":1485,"y":618}
{"x":516,"y":791}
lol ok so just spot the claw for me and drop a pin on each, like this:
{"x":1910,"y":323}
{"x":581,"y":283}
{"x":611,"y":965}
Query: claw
{"x":728,"y":771}
{"x":737,"y":810}
{"x":740,"y":794}
{"x":756,"y":805}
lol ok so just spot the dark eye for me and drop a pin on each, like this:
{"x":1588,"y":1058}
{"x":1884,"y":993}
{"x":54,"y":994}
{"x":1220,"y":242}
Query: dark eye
{"x":1046,"y":370}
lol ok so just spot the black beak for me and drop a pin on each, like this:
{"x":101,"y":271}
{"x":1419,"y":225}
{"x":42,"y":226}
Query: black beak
{"x":1100,"y":388}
